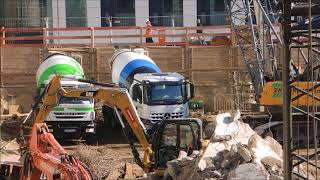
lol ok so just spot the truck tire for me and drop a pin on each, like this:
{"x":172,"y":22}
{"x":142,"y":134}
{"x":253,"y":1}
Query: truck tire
{"x":108,"y":116}
{"x":91,"y":139}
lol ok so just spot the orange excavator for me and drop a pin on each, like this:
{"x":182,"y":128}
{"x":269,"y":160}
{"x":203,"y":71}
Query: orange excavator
{"x":46,"y":156}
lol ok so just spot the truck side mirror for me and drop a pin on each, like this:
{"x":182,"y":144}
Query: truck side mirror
{"x":190,"y":90}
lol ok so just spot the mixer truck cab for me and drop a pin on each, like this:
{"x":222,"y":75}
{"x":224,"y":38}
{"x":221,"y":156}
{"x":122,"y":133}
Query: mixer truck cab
{"x":73,"y":117}
{"x":155,"y":94}
{"x":159,"y":96}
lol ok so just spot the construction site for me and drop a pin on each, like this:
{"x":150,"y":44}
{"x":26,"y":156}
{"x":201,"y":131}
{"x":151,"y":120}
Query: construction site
{"x":143,"y":89}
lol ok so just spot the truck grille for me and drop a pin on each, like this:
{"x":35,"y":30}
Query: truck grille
{"x":160,"y":116}
{"x":69,"y":115}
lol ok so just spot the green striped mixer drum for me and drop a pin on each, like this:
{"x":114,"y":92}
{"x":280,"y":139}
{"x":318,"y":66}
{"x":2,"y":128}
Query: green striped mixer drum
{"x":58,"y":64}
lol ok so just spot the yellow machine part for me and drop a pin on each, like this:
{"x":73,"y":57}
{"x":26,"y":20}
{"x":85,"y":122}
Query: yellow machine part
{"x":273,"y":94}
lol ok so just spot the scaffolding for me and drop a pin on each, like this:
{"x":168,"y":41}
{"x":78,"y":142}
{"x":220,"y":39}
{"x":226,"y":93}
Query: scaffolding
{"x":252,"y":24}
{"x":252,"y":27}
{"x":303,"y":36}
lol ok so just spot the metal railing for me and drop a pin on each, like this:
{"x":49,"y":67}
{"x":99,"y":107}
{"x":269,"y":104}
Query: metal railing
{"x":214,"y":20}
{"x":112,"y":36}
{"x":225,"y":102}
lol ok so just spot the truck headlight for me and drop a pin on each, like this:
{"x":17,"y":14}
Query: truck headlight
{"x":90,"y":130}
{"x":92,"y":115}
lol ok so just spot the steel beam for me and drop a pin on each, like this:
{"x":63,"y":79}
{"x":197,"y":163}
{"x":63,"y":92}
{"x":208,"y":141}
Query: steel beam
{"x":302,"y":10}
{"x":305,"y":113}
{"x":287,"y":111}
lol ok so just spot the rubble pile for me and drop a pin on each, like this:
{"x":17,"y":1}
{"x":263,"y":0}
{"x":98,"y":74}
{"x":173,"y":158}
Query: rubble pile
{"x":234,"y":151}
{"x":106,"y":163}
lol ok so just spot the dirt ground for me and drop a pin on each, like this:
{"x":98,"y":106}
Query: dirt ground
{"x":107,"y":157}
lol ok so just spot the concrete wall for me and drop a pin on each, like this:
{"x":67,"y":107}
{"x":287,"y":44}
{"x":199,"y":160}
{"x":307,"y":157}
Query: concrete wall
{"x":210,"y":68}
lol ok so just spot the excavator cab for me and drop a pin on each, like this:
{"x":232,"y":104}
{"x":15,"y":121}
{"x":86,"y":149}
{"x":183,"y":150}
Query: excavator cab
{"x":174,"y":136}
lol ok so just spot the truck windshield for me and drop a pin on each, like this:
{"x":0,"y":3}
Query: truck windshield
{"x":75,"y":100}
{"x":166,"y":94}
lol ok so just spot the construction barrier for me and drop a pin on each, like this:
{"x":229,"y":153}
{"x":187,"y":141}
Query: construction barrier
{"x":105,"y":36}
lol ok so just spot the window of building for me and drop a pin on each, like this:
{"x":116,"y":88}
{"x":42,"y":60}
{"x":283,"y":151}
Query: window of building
{"x":211,"y":12}
{"x":166,"y":12}
{"x":118,"y":13}
{"x":76,"y":13}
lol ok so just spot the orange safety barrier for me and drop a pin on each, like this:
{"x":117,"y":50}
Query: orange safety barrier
{"x":162,"y":36}
{"x":110,"y":36}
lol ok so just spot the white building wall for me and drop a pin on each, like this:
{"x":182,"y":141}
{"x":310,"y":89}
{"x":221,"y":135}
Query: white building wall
{"x":189,"y":12}
{"x":142,"y":12}
{"x":59,"y":13}
{"x":94,"y":13}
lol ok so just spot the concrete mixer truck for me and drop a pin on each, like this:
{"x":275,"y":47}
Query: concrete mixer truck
{"x":73,"y":117}
{"x":156,"y":95}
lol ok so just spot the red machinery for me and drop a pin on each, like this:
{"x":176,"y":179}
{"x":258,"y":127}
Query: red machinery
{"x":46,"y":157}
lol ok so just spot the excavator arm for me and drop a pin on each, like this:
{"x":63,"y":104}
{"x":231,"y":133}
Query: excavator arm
{"x":46,"y":156}
{"x":112,"y":95}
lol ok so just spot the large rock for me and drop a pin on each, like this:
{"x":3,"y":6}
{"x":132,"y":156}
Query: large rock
{"x":229,"y":132}
{"x":211,"y":152}
{"x":250,"y":171}
{"x":245,"y":153}
{"x":174,"y":169}
{"x":230,"y":127}
{"x":226,"y":126}
{"x":276,"y":147}
{"x":273,"y":165}
{"x":183,"y":169}
{"x":259,"y":149}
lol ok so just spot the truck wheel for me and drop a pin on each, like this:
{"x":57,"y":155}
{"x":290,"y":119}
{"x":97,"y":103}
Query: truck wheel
{"x":113,"y":123}
{"x":91,"y":139}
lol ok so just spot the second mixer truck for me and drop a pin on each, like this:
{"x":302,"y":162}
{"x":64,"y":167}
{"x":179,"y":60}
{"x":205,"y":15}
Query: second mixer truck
{"x":73,"y":117}
{"x":156,"y":95}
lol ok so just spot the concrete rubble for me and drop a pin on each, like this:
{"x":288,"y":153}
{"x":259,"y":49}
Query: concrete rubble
{"x":235,"y":151}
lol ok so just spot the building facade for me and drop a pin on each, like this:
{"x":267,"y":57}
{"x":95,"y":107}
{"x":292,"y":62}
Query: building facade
{"x":103,"y":13}
{"x":79,"y":13}
{"x":86,"y":13}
